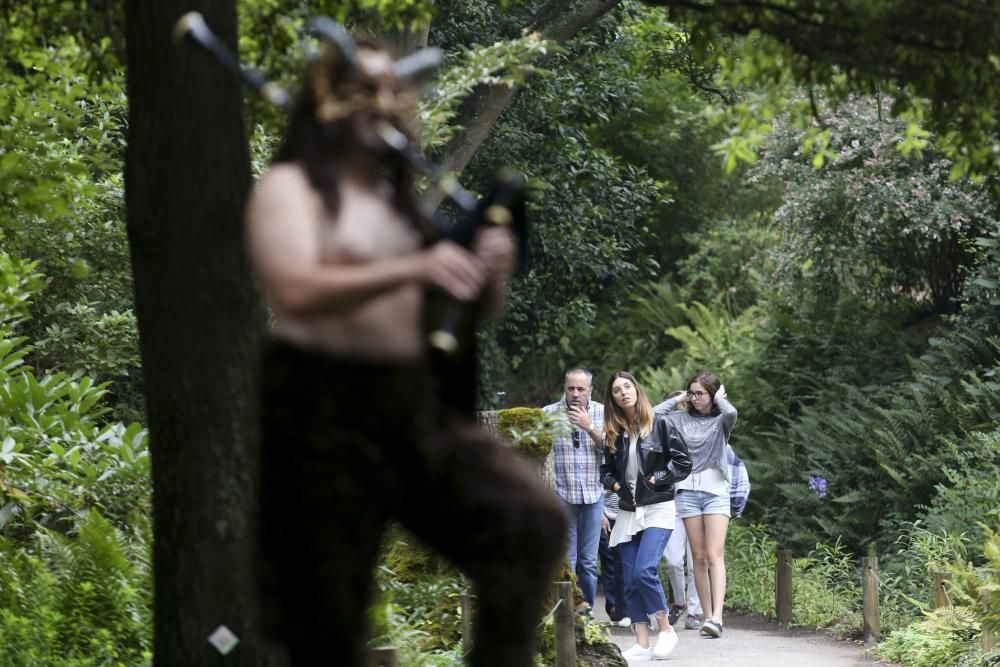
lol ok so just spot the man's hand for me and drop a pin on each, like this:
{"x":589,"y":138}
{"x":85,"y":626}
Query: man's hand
{"x":578,"y":416}
{"x":454,"y":269}
{"x":605,"y":525}
{"x":495,"y":248}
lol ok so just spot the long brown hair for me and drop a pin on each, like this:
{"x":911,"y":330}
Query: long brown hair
{"x":615,"y":419}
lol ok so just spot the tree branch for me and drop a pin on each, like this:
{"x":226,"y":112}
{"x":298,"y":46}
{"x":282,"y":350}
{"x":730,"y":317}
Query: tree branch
{"x":557,"y":20}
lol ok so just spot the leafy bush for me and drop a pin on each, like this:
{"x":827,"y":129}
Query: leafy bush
{"x":970,"y":492}
{"x":882,"y":448}
{"x":62,"y":100}
{"x":83,"y":601}
{"x":59,"y":455}
{"x":751,"y":556}
{"x":938,"y":640}
{"x":827,"y":590}
{"x":531,"y":430}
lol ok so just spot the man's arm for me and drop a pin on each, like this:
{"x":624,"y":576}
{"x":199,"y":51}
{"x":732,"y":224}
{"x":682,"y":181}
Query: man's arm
{"x":284,"y":218}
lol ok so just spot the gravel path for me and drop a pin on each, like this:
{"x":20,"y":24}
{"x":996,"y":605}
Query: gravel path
{"x":752,"y":642}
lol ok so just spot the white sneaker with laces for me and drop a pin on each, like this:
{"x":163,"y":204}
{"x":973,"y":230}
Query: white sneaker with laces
{"x":665,"y":644}
{"x":638,"y":653}
{"x":625,"y":622}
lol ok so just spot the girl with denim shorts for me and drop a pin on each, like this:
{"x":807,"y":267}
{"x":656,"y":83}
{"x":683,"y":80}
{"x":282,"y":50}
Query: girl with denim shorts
{"x":703,"y":498}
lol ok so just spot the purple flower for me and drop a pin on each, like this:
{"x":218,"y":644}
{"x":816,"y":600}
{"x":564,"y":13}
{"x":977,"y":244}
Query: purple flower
{"x":817,"y":485}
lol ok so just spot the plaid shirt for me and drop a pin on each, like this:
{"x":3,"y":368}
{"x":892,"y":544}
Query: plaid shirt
{"x":739,"y":488}
{"x":577,"y":469}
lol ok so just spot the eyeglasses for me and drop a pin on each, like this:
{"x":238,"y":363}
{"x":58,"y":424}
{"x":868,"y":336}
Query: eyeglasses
{"x":697,"y":394}
{"x":576,"y":439}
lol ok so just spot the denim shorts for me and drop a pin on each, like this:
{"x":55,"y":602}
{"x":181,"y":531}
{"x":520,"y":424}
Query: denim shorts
{"x":695,"y":503}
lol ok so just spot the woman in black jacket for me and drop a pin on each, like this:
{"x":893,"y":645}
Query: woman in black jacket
{"x":642,"y":461}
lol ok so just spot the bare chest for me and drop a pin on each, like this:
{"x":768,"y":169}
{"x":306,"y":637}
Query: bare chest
{"x":366,"y":227}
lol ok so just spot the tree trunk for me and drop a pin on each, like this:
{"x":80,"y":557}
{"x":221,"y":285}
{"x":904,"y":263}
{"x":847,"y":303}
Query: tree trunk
{"x":187,"y":175}
{"x":557,"y":20}
{"x":408,"y":40}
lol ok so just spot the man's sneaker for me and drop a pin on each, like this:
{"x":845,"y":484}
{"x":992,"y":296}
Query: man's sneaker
{"x":638,"y":653}
{"x":625,"y":623}
{"x":692,"y":623}
{"x":665,"y":644}
{"x":674,"y":613}
{"x":712,"y":628}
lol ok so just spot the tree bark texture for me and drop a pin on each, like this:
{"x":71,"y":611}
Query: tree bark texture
{"x":557,"y":20}
{"x":187,"y":176}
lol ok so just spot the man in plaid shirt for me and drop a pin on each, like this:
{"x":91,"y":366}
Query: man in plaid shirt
{"x":577,"y":456}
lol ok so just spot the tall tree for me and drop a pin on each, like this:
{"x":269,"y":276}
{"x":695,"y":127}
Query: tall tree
{"x":186,"y":177}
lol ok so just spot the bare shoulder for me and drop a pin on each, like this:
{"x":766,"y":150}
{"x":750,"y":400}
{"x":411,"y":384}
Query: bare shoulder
{"x":283,"y":196}
{"x":281,"y":181}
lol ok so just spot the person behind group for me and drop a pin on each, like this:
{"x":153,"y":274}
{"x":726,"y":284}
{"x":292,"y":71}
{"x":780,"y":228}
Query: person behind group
{"x":577,"y":457}
{"x":352,"y":429}
{"x":703,"y":498}
{"x":611,"y":565}
{"x":683,"y":591}
{"x":642,"y":462}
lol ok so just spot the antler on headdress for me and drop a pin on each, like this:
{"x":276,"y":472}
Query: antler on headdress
{"x":335,"y":38}
{"x":339,"y":45}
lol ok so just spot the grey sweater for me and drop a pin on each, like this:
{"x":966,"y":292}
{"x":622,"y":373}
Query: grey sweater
{"x":705,"y":436}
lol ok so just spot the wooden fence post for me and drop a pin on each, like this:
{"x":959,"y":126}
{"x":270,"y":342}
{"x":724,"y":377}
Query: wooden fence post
{"x":783,"y":587}
{"x":565,"y":625}
{"x":466,"y":623}
{"x":942,"y":582}
{"x":989,"y":638}
{"x":384,"y":656}
{"x":871,"y":614}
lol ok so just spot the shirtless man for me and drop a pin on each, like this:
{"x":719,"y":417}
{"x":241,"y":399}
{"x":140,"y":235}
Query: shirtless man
{"x":352,"y":432}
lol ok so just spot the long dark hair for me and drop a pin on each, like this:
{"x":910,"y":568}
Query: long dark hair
{"x":711,"y":383}
{"x":615,"y":419}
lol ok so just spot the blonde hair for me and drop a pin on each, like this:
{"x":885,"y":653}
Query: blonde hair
{"x":615,"y":419}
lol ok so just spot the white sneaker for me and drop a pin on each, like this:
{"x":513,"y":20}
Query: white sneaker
{"x":638,"y":653}
{"x":625,"y":623}
{"x":665,"y":644}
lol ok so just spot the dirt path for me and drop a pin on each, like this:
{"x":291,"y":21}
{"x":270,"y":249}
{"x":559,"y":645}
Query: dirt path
{"x":752,"y":642}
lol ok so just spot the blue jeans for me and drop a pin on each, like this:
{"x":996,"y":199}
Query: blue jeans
{"x":612,"y":580}
{"x":584,"y":537}
{"x":643,"y":588}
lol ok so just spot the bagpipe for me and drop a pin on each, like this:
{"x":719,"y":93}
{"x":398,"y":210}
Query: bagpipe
{"x":451,"y":326}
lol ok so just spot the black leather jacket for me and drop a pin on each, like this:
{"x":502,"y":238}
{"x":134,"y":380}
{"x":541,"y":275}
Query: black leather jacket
{"x":662,"y":456}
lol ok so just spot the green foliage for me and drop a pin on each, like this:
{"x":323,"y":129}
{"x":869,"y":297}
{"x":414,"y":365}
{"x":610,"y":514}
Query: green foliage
{"x":888,"y":229}
{"x":873,"y":446}
{"x":827,"y":590}
{"x":59,"y":457}
{"x":531,"y":430}
{"x":501,"y":63}
{"x":62,"y":101}
{"x":918,"y":52}
{"x":969,"y":494}
{"x":939,"y":639}
{"x":591,"y":212}
{"x":83,"y":601}
{"x":408,"y":560}
{"x":751,"y":557}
